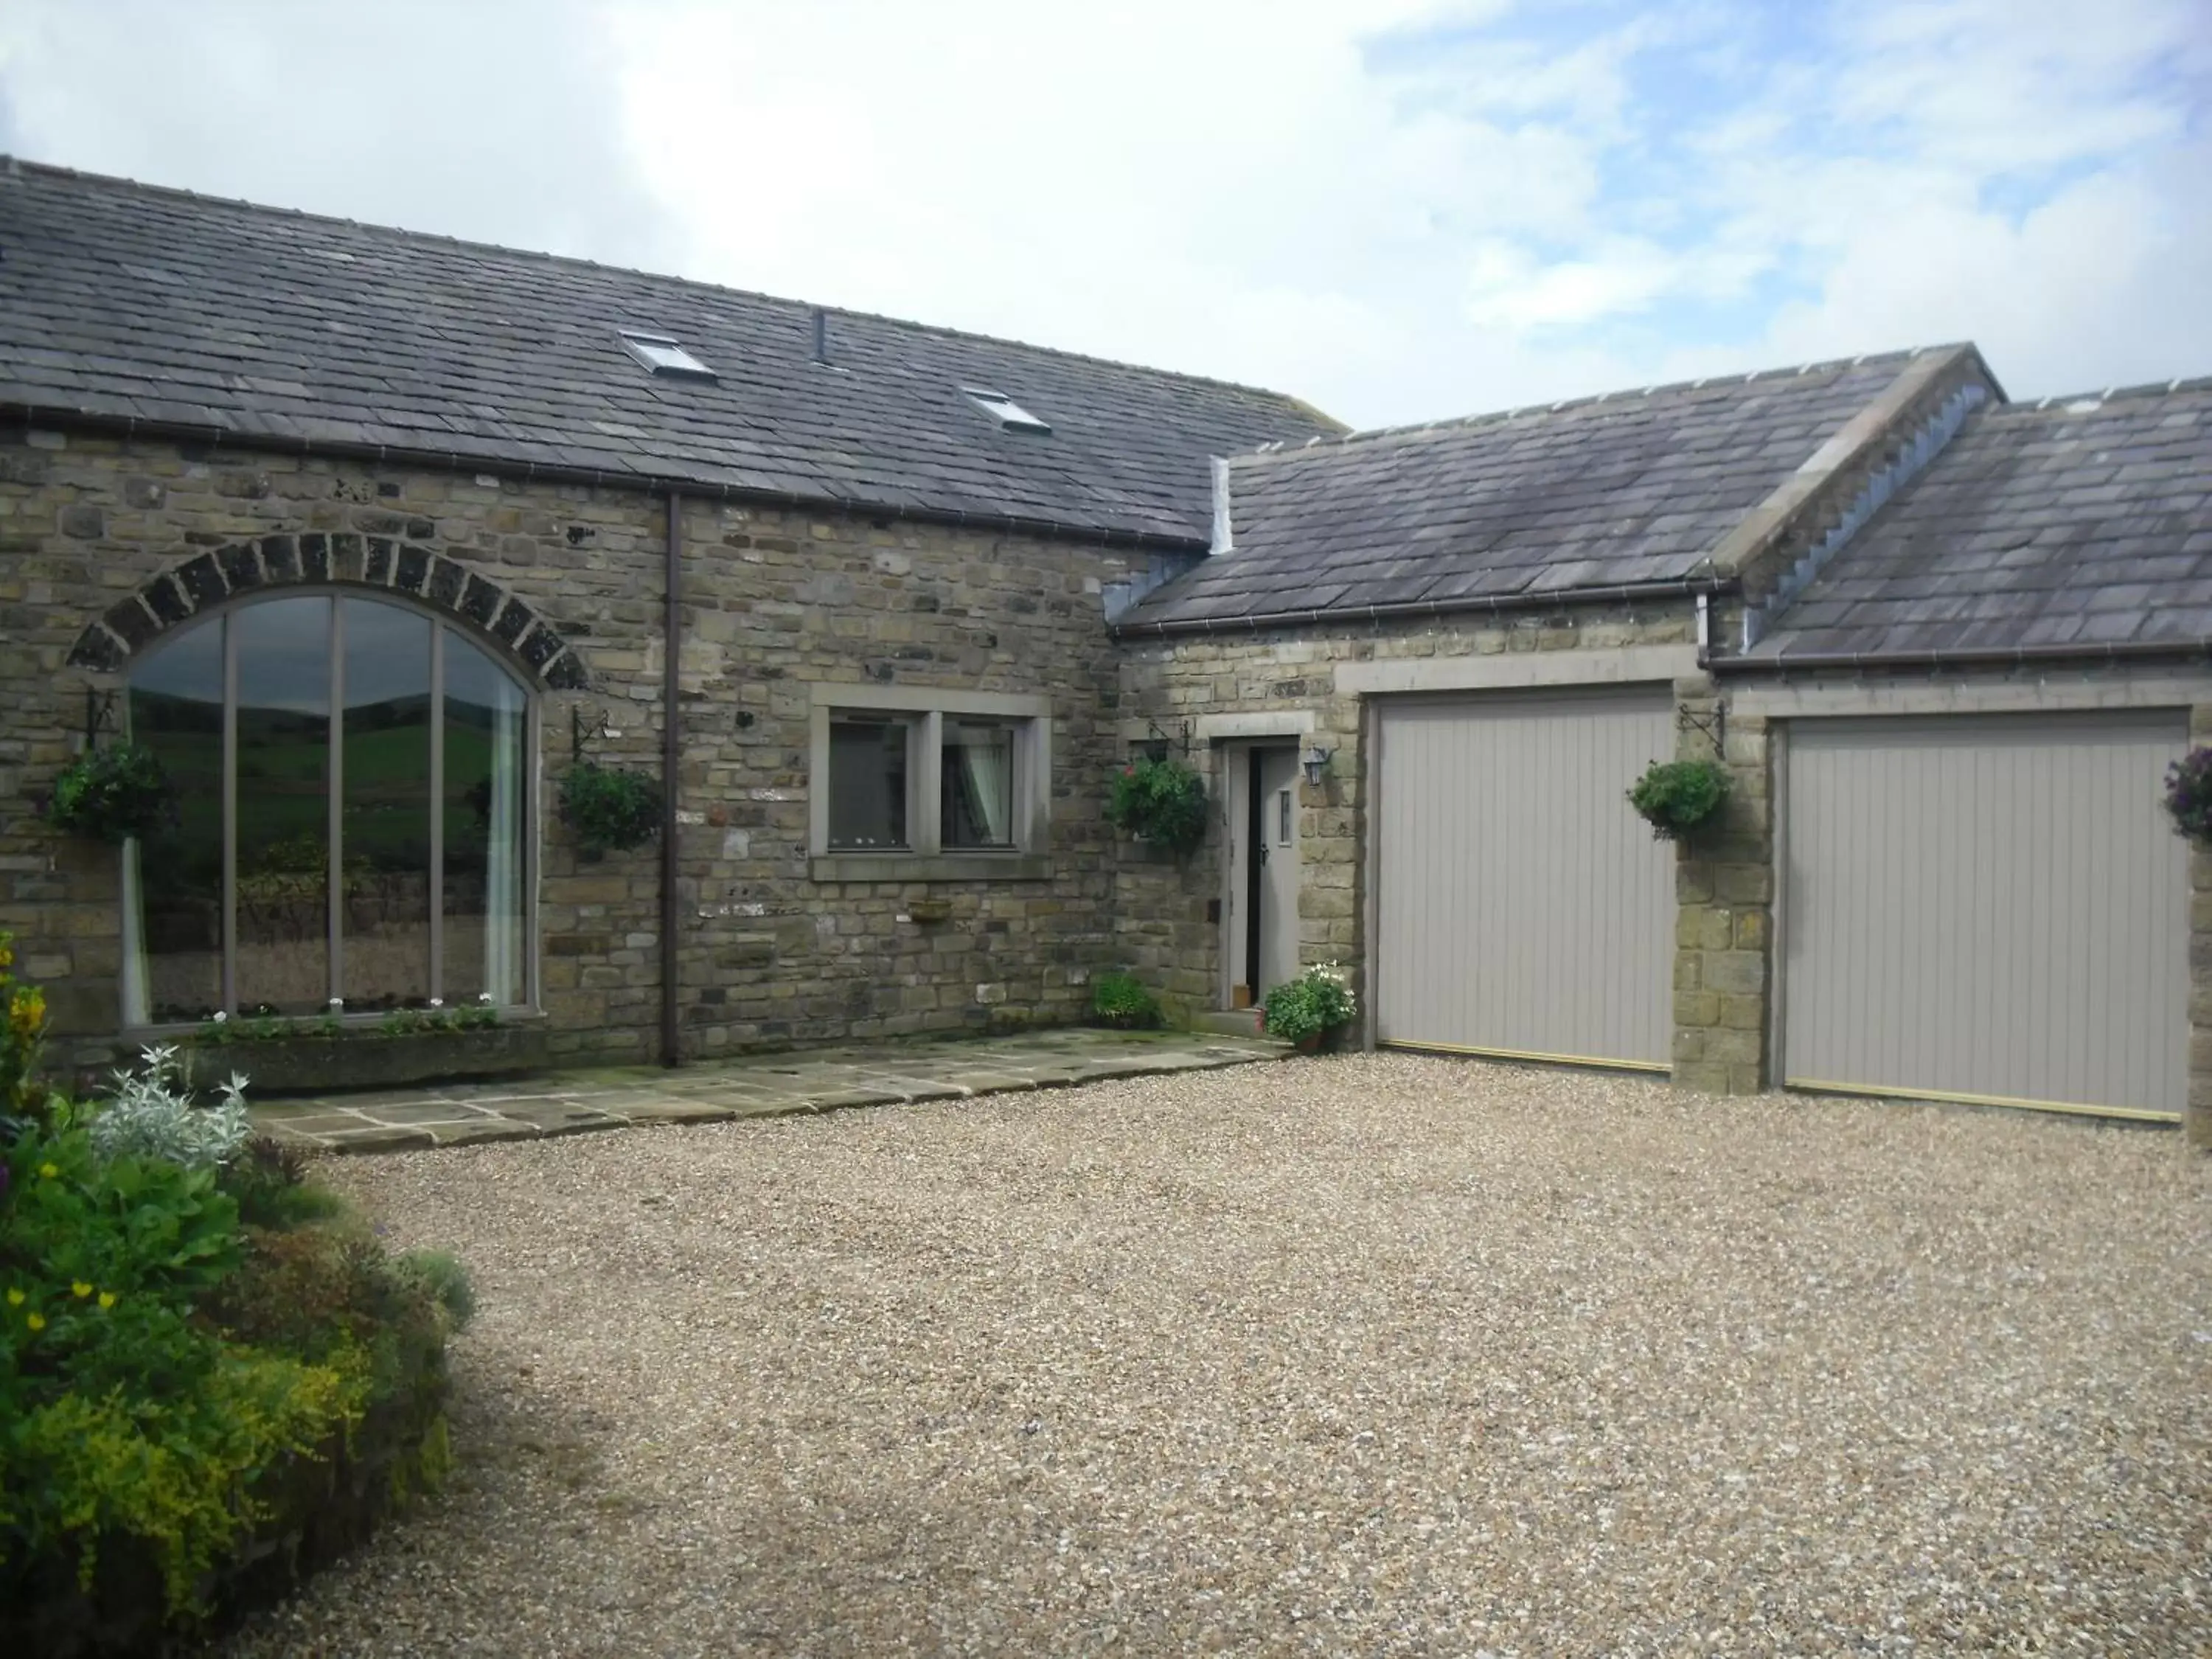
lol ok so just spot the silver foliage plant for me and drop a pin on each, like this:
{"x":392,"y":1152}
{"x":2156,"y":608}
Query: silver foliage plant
{"x":150,"y":1113}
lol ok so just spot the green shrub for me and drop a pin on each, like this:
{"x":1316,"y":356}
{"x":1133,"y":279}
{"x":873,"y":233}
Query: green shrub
{"x":1675,"y":797}
{"x":1315,"y":1004}
{"x":446,"y":1279}
{"x":2189,"y":795}
{"x":112,"y":794}
{"x":186,"y":1347}
{"x":610,"y":808}
{"x":25,"y":1103}
{"x":1161,"y":802}
{"x":1121,"y":1000}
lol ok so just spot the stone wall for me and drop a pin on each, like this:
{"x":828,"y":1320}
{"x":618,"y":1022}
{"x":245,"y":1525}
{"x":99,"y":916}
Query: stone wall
{"x":1724,"y":895}
{"x":90,"y":526}
{"x":1226,"y":686}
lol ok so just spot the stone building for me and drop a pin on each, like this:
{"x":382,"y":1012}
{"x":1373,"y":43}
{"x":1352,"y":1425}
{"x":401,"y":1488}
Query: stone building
{"x":926,"y":591}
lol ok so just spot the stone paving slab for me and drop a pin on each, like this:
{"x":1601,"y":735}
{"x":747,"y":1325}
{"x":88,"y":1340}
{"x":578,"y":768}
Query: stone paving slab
{"x":763,"y":1086}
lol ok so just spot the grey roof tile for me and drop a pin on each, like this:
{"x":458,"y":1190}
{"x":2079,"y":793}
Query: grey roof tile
{"x":1613,"y":491}
{"x":123,"y":299}
{"x":2027,"y":516}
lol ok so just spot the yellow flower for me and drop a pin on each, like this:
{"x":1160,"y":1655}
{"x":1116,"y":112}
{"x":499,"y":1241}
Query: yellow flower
{"x":14,"y":1297}
{"x":79,"y":1289}
{"x":48,"y":1171}
{"x":107,"y":1299}
{"x":36,"y":1322}
{"x":27,"y":1013}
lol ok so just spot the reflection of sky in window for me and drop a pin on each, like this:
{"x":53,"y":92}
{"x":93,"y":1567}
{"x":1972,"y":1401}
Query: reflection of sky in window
{"x":190,"y":665}
{"x":284,"y":655}
{"x":388,"y":653}
{"x":284,"y":659}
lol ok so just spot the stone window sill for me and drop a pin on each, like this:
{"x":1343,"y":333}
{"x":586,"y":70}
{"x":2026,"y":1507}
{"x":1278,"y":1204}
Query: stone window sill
{"x":930,"y":867}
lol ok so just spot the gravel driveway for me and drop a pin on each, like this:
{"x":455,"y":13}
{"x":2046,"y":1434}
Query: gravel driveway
{"x":1374,"y":1355}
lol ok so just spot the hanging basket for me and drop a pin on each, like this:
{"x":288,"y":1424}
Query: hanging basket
{"x":1678,"y":797}
{"x":611,"y":809}
{"x":1161,"y":802}
{"x":112,"y":794}
{"x":2189,"y":796}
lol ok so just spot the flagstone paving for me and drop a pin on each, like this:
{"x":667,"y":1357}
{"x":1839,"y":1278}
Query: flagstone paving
{"x":760,"y":1085}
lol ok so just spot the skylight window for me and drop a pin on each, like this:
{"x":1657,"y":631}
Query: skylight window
{"x":660,"y":354}
{"x":1005,"y":410}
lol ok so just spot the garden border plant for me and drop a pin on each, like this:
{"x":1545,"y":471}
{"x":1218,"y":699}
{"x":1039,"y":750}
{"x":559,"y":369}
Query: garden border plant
{"x":211,"y":1372}
{"x":1120,"y":1000}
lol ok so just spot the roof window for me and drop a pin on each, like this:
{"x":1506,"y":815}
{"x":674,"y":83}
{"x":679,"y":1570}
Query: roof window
{"x":660,"y":354}
{"x":1005,"y":410}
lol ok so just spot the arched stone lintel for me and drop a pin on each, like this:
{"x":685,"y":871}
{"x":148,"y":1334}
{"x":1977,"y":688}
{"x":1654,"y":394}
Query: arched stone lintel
{"x":337,"y":559}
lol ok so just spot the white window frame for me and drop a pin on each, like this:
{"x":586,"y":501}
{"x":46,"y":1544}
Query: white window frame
{"x":925,"y":710}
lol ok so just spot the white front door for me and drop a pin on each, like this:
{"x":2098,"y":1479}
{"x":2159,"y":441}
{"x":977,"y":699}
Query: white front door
{"x":1260,"y":914}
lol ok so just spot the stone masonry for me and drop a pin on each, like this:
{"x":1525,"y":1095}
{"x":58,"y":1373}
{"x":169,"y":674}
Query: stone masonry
{"x":1161,"y":906}
{"x":565,"y":581}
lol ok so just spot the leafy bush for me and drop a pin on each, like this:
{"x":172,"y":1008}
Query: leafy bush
{"x":2189,"y":795}
{"x":1162,"y":801}
{"x":610,"y":808}
{"x":443,"y":1274}
{"x":1675,"y":797}
{"x":1121,"y":1000}
{"x":268,"y":1181}
{"x":112,"y":794}
{"x":199,"y":1349}
{"x":25,"y":1101}
{"x":1315,"y":1004}
{"x":151,"y":1114}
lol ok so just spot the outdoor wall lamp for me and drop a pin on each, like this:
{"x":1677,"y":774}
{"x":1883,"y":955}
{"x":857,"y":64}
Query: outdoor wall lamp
{"x":1316,"y":762}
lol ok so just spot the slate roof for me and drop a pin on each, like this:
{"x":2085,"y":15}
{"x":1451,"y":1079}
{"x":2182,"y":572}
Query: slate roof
{"x":2073,"y":523}
{"x":128,"y":301}
{"x":1625,"y":489}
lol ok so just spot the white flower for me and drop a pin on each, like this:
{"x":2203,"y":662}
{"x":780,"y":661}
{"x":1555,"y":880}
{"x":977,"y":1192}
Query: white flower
{"x":219,"y":1016}
{"x":484,"y":997}
{"x":338,"y":1002}
{"x":437,"y":1002}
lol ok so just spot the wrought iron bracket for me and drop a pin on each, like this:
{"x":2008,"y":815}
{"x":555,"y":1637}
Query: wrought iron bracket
{"x":1714,"y":727}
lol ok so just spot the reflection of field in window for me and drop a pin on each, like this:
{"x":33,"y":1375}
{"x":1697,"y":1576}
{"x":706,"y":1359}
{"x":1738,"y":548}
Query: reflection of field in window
{"x":280,"y":818}
{"x":283,"y":804}
{"x":176,"y":710}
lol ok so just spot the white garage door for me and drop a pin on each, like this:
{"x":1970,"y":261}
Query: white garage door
{"x":1994,"y":909}
{"x":1522,"y":908}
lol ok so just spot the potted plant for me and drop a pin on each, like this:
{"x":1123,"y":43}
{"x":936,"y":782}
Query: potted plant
{"x":610,"y":808}
{"x":112,"y":794}
{"x":1677,"y":797}
{"x":1311,"y":1011}
{"x":1159,"y":800}
{"x":1119,"y":1000}
{"x":2189,"y":795}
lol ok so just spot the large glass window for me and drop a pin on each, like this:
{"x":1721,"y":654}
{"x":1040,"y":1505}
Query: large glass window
{"x":976,"y":794}
{"x":352,"y":777}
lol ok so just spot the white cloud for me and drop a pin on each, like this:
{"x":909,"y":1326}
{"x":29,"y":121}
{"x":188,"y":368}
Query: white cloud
{"x":1397,"y":209}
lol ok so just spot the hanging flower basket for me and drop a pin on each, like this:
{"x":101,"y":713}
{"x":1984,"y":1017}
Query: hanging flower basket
{"x":610,"y":808}
{"x":1162,"y":802}
{"x":2189,"y":795}
{"x":1676,"y":798}
{"x":112,"y":794}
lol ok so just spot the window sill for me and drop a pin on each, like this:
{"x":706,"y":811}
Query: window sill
{"x":933,"y":866}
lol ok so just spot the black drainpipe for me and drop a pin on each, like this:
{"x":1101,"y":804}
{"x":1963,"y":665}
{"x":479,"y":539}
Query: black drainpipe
{"x":671,"y":744}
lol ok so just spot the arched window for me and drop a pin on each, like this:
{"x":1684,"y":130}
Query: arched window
{"x":354,"y":779}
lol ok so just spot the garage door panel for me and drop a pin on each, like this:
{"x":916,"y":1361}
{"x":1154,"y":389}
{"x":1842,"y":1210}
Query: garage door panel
{"x":1986,"y":907}
{"x":1522,"y":908}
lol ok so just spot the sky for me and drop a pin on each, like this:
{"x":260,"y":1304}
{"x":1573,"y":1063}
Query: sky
{"x":1398,"y":209}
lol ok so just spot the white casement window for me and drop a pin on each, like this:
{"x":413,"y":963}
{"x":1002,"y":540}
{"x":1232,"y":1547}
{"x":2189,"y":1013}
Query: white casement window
{"x":911,"y":784}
